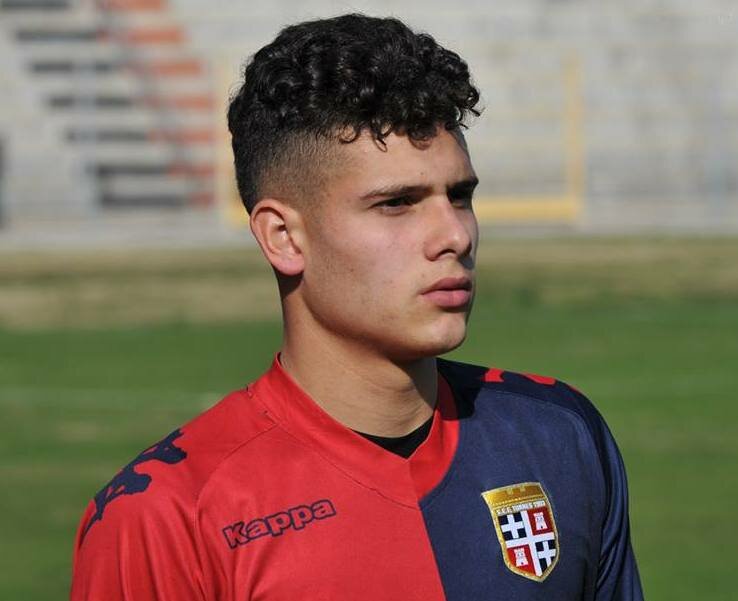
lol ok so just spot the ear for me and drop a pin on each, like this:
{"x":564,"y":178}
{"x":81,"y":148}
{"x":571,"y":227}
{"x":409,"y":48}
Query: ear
{"x":278,"y":229}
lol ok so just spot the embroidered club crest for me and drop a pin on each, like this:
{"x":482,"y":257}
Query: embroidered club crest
{"x":525,"y":527}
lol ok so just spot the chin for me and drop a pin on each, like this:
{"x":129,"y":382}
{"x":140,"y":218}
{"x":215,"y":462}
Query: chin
{"x":449,"y":333}
{"x":431,"y":344}
{"x":449,"y":345}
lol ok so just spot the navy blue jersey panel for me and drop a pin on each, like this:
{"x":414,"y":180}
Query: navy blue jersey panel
{"x":517,"y":431}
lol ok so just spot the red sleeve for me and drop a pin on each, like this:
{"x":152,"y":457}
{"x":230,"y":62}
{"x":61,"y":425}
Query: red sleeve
{"x":137,"y":551}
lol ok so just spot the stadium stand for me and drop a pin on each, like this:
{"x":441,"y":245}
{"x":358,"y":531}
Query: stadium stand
{"x":130,"y":106}
{"x":598,"y":117}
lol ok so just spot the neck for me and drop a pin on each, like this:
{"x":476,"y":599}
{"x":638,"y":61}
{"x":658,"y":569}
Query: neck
{"x":359,"y":388}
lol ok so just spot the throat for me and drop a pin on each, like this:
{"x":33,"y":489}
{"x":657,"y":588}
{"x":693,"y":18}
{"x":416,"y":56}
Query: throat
{"x":364,"y":393}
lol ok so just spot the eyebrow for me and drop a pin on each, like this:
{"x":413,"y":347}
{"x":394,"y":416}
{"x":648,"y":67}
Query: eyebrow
{"x":466,"y":185}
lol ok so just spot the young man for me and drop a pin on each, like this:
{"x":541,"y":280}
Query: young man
{"x":360,"y":466}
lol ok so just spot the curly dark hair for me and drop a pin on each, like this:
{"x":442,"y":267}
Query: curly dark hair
{"x":331,"y":79}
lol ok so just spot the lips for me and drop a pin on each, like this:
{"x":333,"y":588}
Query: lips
{"x":450,"y":293}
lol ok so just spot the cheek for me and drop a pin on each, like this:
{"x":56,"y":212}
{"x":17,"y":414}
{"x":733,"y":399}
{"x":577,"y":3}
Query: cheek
{"x":386,"y":268}
{"x":367,"y":275}
{"x":375,"y":280}
{"x":357,"y":253}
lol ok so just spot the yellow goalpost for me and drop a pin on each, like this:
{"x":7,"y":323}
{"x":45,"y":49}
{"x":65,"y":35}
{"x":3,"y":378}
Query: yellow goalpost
{"x":567,"y":206}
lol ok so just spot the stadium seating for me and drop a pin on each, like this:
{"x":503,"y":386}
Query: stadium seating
{"x":126,"y":106}
{"x":597,"y":116}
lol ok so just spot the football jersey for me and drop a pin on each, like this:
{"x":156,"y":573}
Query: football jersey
{"x":517,"y":492}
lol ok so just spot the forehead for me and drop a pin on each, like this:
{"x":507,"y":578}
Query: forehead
{"x":366,"y":164}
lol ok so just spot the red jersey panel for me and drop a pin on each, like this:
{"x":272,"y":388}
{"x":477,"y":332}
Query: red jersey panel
{"x":265,"y":496}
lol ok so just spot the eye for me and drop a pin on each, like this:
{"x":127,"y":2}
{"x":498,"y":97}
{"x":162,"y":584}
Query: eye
{"x":395,"y":205}
{"x":461,"y":200}
{"x":460,"y":196}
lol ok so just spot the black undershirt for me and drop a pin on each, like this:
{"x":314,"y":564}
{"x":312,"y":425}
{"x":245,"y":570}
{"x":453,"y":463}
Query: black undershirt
{"x":402,"y":445}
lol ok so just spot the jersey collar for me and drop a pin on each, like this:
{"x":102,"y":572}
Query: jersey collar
{"x":402,"y":480}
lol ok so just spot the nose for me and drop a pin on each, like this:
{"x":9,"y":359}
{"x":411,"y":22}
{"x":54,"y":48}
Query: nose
{"x":452,"y":230}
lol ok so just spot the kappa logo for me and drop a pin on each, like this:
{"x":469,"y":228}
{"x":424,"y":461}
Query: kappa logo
{"x":525,"y":527}
{"x":294,"y":518}
{"x":129,"y":482}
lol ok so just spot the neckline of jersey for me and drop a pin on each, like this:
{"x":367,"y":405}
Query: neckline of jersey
{"x":403,"y":480}
{"x":404,"y":445}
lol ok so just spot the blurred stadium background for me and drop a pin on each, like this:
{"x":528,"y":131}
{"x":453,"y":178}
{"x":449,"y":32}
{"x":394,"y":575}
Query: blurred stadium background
{"x":131,"y":297}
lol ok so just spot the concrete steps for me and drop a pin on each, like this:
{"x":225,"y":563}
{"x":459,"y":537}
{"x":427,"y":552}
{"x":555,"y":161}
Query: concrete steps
{"x":123,"y":102}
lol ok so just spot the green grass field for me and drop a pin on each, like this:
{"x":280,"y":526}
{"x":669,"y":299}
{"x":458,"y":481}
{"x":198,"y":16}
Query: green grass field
{"x":102,"y":354}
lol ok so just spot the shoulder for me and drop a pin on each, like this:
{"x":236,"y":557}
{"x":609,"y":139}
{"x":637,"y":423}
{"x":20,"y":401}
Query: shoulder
{"x":493,"y":379}
{"x":478,"y":384}
{"x":163,"y":481}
